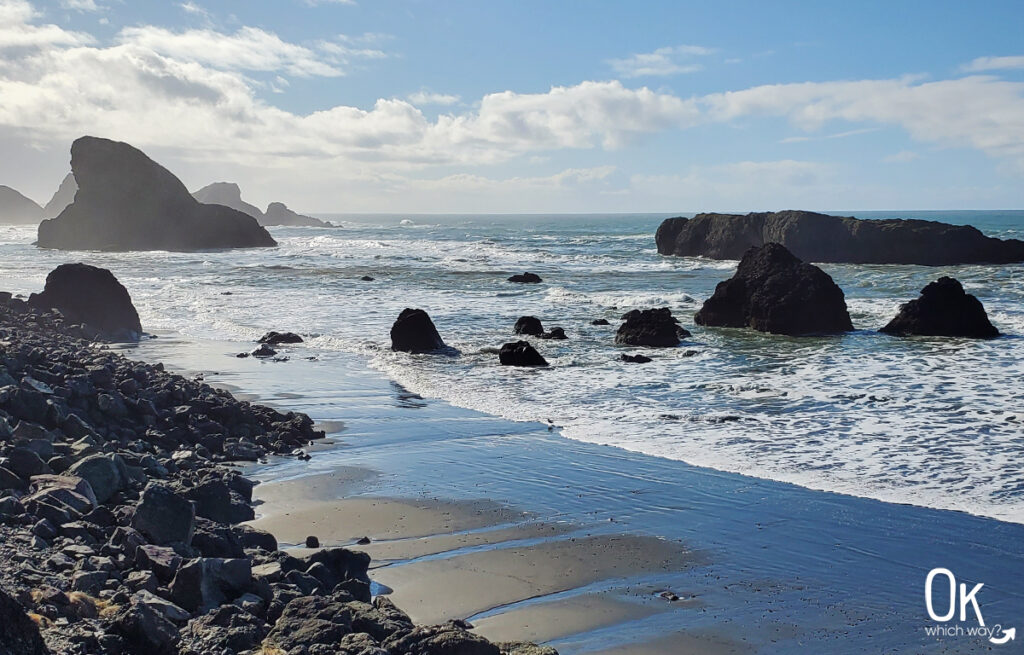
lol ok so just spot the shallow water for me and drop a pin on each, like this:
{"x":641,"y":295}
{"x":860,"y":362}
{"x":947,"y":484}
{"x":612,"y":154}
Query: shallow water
{"x":933,"y":422}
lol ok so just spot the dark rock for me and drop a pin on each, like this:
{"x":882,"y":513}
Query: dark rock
{"x":126,"y":201}
{"x":823,"y":238}
{"x":91,"y":295}
{"x":530,"y":325}
{"x":555,"y":333}
{"x":25,"y":463}
{"x":164,"y":516}
{"x":600,"y":321}
{"x":311,"y":620}
{"x":161,"y":560}
{"x":146,"y":629}
{"x":312,"y":542}
{"x":277,"y":338}
{"x":523,"y":648}
{"x":773,"y":291}
{"x":366,"y":278}
{"x":636,"y":359}
{"x":264,"y":351}
{"x":19,"y":635}
{"x":161,"y":606}
{"x":343,"y":565}
{"x":10,"y":480}
{"x":250,"y":537}
{"x":279,"y":214}
{"x":363,"y":541}
{"x":89,"y":581}
{"x":10,"y":506}
{"x":650,"y":327}
{"x":227,"y":629}
{"x":206,"y":582}
{"x":380,"y":620}
{"x":414,"y":332}
{"x":106,"y":474}
{"x":943,"y":309}
{"x":449,"y":638}
{"x":526,"y":278}
{"x":520,"y":353}
{"x":359,"y":643}
{"x":215,"y":501}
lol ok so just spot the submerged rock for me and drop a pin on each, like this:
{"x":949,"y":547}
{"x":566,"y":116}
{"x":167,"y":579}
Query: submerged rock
{"x":636,"y":359}
{"x":530,"y":325}
{"x":90,"y":295}
{"x":600,"y":321}
{"x":520,"y":353}
{"x":126,"y":201}
{"x":414,"y":332}
{"x":773,"y":291}
{"x":526,"y":278}
{"x":943,"y":309}
{"x":823,"y":238}
{"x":650,"y":327}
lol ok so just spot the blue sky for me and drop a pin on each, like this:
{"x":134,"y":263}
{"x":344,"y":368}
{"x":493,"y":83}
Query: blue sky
{"x":417,"y":106}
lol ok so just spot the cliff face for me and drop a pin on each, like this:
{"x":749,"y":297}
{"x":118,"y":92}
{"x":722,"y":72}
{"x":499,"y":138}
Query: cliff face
{"x":126,"y":201}
{"x":17,"y":209}
{"x":824,"y":238}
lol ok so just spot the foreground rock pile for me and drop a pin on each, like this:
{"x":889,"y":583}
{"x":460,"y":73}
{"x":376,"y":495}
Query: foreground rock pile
{"x":120,"y":521}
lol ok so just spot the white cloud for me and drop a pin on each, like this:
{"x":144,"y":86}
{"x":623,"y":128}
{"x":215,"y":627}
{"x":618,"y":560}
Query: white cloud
{"x":994,"y":63}
{"x":902,"y":156}
{"x":661,"y":62}
{"x":194,"y":9}
{"x":428,"y":98}
{"x":836,"y":135}
{"x":16,"y":30}
{"x":81,"y":5}
{"x":314,"y":3}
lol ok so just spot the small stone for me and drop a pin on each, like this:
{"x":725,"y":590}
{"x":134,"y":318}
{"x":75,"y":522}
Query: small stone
{"x":312,"y":542}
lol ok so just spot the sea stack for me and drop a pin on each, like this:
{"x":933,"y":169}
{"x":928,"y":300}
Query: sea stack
{"x":93,"y":296}
{"x":944,"y":310}
{"x":16,"y":209}
{"x":278,"y":214}
{"x":229,"y":195}
{"x":824,"y":238}
{"x":126,"y":201}
{"x":773,"y":291}
{"x":650,"y":327}
{"x":64,"y":196}
{"x":414,"y":332}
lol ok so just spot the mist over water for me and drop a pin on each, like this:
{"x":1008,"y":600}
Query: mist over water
{"x":934,"y":422}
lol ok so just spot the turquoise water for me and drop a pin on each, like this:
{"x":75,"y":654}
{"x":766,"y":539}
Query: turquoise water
{"x":931,"y":422}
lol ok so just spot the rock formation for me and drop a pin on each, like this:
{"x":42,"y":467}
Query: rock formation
{"x":414,"y":332}
{"x":229,"y":195}
{"x":529,"y":325}
{"x":279,"y":214}
{"x":943,"y":309}
{"x":520,"y":353}
{"x":19,"y":635}
{"x":126,"y":201}
{"x":823,"y":238}
{"x":16,"y":209}
{"x":773,"y":291}
{"x":64,"y":196}
{"x":525,"y":278}
{"x":650,"y":327}
{"x":93,"y":296}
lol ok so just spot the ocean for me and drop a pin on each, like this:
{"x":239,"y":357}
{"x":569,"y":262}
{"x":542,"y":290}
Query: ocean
{"x":925,"y":421}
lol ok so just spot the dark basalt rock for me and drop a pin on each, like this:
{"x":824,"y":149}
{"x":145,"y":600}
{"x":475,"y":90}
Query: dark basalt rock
{"x":164,"y":517}
{"x":279,"y":214}
{"x":600,"y":321}
{"x":555,"y":333}
{"x":530,"y":325}
{"x":90,"y":295}
{"x":650,"y":327}
{"x":823,"y":238}
{"x":943,"y":309}
{"x":773,"y":291}
{"x":277,"y":338}
{"x":126,"y":201}
{"x":19,"y":635}
{"x":414,"y":332}
{"x":520,"y":353}
{"x":636,"y":359}
{"x":526,"y":278}
{"x":447,"y":638}
{"x":229,"y":195}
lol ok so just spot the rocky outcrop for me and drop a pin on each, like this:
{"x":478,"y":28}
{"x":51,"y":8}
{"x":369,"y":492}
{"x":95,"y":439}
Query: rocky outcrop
{"x":279,"y":214}
{"x":414,"y":332}
{"x":945,"y":310}
{"x":19,"y":635}
{"x":64,"y":196}
{"x":16,"y":209}
{"x":526,"y":278}
{"x":227,"y":194}
{"x":529,"y":325}
{"x":126,"y":201}
{"x":824,"y":238}
{"x":93,"y":296}
{"x":773,"y":291}
{"x":650,"y":327}
{"x":520,"y":353}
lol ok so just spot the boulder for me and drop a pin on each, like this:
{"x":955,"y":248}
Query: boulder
{"x":526,"y":278}
{"x":19,"y":635}
{"x":414,"y":332}
{"x":164,"y":517}
{"x":90,"y":295}
{"x":214,"y":500}
{"x":279,"y":214}
{"x":106,"y":474}
{"x":161,"y":560}
{"x":943,"y":309}
{"x":263,"y":351}
{"x":227,"y":194}
{"x":600,"y":321}
{"x":25,"y":463}
{"x":556,"y":333}
{"x":311,"y":620}
{"x":773,"y":291}
{"x":126,"y":201}
{"x":650,"y":327}
{"x":635,"y":359}
{"x":824,"y":238}
{"x":17,"y":209}
{"x":277,"y":338}
{"x":206,"y":582}
{"x":530,"y":325}
{"x":520,"y":353}
{"x":146,"y":628}
{"x":436,"y":639}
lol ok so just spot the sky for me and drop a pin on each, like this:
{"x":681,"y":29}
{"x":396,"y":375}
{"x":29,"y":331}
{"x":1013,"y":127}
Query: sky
{"x":530,"y":106}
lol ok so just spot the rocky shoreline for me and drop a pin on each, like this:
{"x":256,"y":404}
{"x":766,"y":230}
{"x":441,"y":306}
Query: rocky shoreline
{"x":120,"y":518}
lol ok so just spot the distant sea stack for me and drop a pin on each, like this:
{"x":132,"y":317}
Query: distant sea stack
{"x":126,"y":201}
{"x":16,"y":209}
{"x":279,"y":214}
{"x":773,"y":291}
{"x":64,"y":196}
{"x":229,"y":195}
{"x":823,"y":238}
{"x":944,"y":309}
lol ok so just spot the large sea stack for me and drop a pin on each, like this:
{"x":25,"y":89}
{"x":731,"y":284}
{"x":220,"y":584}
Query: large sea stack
{"x":126,"y":201}
{"x":229,"y":195}
{"x":945,"y":310}
{"x":773,"y":291}
{"x":17,"y":209}
{"x":823,"y":238}
{"x":93,"y":296}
